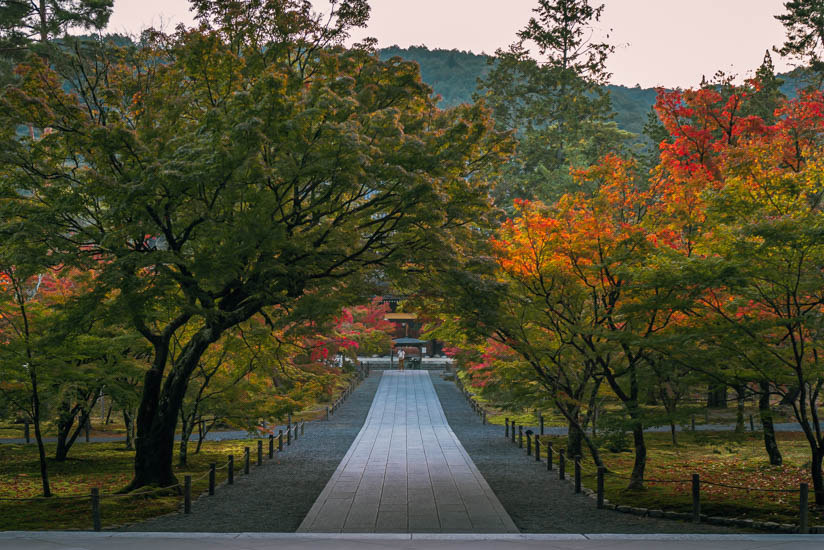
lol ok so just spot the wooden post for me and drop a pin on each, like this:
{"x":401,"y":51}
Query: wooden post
{"x":600,"y":500}
{"x":696,"y":498}
{"x":520,"y":436}
{"x":187,"y":494}
{"x":537,"y":448}
{"x":212,"y":472}
{"x":541,"y":423}
{"x":231,"y":470}
{"x":506,"y":428}
{"x":549,"y":456}
{"x":561,"y":464}
{"x":302,"y":424}
{"x":96,"y":508}
{"x":327,"y":413}
{"x":804,"y":510}
{"x":484,"y":413}
{"x":578,"y":474}
{"x":246,"y":460}
{"x":271,"y":446}
{"x":280,"y":440}
{"x":529,"y":443}
{"x":26,"y":432}
{"x":288,"y":435}
{"x":260,"y":452}
{"x":296,"y":431}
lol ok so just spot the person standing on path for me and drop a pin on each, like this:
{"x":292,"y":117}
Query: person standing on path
{"x":401,"y":356}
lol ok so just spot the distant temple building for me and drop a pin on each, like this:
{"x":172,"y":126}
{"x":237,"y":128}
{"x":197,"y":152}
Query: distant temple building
{"x":407,"y":326}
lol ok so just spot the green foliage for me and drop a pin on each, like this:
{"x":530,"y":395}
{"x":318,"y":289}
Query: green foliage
{"x":26,"y":23}
{"x":548,"y":87}
{"x":273,"y":184}
{"x":804,"y":27}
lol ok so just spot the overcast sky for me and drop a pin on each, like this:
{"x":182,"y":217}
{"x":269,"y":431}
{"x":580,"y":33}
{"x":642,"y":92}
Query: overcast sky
{"x":659,"y":42}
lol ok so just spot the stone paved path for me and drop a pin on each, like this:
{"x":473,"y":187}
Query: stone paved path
{"x":407,"y":472}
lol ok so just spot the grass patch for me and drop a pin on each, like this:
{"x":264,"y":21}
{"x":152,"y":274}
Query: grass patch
{"x":722,"y":457}
{"x":107,"y":466}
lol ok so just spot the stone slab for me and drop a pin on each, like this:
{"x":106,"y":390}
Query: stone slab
{"x":407,"y":471}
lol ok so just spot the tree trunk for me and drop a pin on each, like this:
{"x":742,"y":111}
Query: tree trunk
{"x":65,"y":421}
{"x":673,"y":433}
{"x":740,"y":391}
{"x":128,"y":421}
{"x":765,"y":412}
{"x":200,"y":435}
{"x":44,"y":22}
{"x":717,"y":397}
{"x":790,"y":397}
{"x":186,"y":427}
{"x":637,"y":478}
{"x":818,"y":480}
{"x":159,"y":409}
{"x":64,"y":443}
{"x":574,"y":439}
{"x":38,"y":434}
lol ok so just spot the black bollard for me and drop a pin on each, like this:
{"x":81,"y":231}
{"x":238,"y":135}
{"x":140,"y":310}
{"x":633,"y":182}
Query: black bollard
{"x":280,"y":440}
{"x":601,"y":471}
{"x":561,"y":464}
{"x":231,"y":471}
{"x":804,"y":509}
{"x":537,"y":448}
{"x":187,"y":494}
{"x":577,"y":474}
{"x":549,"y":456}
{"x":212,"y":471}
{"x":506,"y":428}
{"x":246,"y":460}
{"x":696,"y":498}
{"x":96,"y":508}
{"x":529,"y":443}
{"x":520,"y":437}
{"x":271,"y":446}
{"x":260,"y":452}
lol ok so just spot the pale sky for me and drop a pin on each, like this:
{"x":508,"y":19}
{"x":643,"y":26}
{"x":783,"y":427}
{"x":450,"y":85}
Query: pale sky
{"x":659,"y":42}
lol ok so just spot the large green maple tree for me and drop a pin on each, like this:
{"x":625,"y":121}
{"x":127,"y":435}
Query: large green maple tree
{"x":253,"y":166}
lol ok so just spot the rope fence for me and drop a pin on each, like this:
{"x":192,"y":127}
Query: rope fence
{"x":525,"y":439}
{"x":291,"y":434}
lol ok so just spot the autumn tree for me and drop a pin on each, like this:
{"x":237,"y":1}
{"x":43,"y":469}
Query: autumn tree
{"x":271,"y":183}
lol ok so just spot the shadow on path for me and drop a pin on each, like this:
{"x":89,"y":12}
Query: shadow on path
{"x":276,"y":496}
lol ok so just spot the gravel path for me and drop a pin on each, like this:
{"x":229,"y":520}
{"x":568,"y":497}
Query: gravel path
{"x":276,"y":496}
{"x":537,"y":500}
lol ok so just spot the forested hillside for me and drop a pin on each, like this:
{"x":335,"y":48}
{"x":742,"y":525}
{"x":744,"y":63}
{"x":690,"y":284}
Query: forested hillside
{"x":454,"y":76}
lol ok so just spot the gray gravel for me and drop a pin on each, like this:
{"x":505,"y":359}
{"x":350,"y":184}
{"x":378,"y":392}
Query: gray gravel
{"x":276,"y":496}
{"x":537,"y":500}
